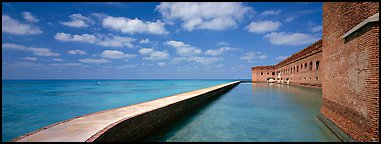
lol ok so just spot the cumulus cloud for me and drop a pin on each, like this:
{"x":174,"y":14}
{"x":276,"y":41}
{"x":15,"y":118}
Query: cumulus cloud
{"x":183,"y":48}
{"x":96,"y":61}
{"x":79,"y":52}
{"x":88,"y":38}
{"x":204,"y":15}
{"x":102,"y":40}
{"x":219,"y":51}
{"x":282,"y":38}
{"x":29,"y":17}
{"x":30,"y":58}
{"x":263,"y":26}
{"x":77,"y":21}
{"x":152,"y":54}
{"x":12,"y":26}
{"x":201,"y":60}
{"x":131,"y":26}
{"x":250,"y":56}
{"x":144,"y":41}
{"x":114,"y":54}
{"x":222,"y":44}
{"x":36,"y":51}
{"x":270,"y":12}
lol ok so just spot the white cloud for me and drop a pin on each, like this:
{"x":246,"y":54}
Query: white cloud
{"x":270,"y":12}
{"x":57,"y":59}
{"x":262,"y":56}
{"x":116,"y":41}
{"x":114,"y":54}
{"x":88,"y":38}
{"x":96,"y":61}
{"x":202,"y":60}
{"x":204,"y":15}
{"x":77,"y":21}
{"x":222,"y":44}
{"x":282,"y":38}
{"x":73,"y":52}
{"x":206,"y":60}
{"x":263,"y":26}
{"x":131,"y":26}
{"x":36,"y":51}
{"x":29,"y":17}
{"x":30,"y":58}
{"x":153,"y":54}
{"x":144,"y":41}
{"x":281,"y":57}
{"x":289,"y":19}
{"x":249,"y":56}
{"x":12,"y":26}
{"x":317,"y":28}
{"x":161,"y":64}
{"x":219,"y":51}
{"x":102,"y":40}
{"x":183,"y":49}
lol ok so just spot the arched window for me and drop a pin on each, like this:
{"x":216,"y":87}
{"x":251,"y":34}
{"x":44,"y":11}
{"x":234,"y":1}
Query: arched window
{"x":301,"y":66}
{"x":297,"y":68}
{"x":261,"y":73}
{"x":311,"y":65}
{"x":305,"y":66}
{"x":317,"y":64}
{"x":273,"y":73}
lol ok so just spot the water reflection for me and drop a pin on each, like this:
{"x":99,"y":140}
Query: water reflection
{"x":253,"y":112}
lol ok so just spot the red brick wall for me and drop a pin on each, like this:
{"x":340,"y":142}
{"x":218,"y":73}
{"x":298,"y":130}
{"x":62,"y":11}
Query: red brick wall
{"x":350,"y":69}
{"x":294,"y":68}
{"x":262,"y":73}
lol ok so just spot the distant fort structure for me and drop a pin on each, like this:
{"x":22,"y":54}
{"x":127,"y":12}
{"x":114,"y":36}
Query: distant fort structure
{"x":345,"y":64}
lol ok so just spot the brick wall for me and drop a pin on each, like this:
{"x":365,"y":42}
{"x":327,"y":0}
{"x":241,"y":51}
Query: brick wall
{"x":301,"y":68}
{"x":350,"y":69}
{"x":262,"y":73}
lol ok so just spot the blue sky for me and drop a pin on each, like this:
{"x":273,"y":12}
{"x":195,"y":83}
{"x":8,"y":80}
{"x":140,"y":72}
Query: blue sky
{"x":102,"y":40}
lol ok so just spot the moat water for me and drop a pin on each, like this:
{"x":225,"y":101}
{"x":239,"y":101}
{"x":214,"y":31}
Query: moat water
{"x":28,"y":105}
{"x":258,"y":112}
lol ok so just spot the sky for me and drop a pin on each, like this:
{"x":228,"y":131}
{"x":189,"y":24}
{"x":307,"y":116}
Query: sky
{"x":145,"y":40}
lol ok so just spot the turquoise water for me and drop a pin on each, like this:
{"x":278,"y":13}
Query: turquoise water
{"x":258,"y":112}
{"x":28,"y":105}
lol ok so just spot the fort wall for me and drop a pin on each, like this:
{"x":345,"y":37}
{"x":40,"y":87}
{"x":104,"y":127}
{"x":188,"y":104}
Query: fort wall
{"x":301,"y":68}
{"x":350,"y":68}
{"x":345,"y":63}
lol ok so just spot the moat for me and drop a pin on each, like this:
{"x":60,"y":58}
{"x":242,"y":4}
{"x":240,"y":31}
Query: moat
{"x":253,"y":112}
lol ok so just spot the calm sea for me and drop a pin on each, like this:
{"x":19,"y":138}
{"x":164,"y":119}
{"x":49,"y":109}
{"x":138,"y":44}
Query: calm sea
{"x":28,"y":105}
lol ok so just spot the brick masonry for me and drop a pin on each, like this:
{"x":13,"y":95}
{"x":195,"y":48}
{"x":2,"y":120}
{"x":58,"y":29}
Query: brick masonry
{"x":349,"y":69}
{"x":301,"y":68}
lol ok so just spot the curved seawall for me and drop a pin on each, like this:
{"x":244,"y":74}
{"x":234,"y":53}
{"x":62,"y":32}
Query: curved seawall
{"x":128,"y":123}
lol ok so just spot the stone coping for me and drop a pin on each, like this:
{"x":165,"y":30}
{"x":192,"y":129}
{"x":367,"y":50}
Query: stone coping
{"x":370,"y":19}
{"x":82,"y":128}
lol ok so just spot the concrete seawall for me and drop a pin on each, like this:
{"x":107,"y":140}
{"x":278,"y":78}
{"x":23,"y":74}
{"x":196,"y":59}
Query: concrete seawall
{"x":128,"y":123}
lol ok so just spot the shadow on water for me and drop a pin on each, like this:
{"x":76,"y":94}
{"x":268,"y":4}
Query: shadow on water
{"x":252,"y":112}
{"x":178,"y":123}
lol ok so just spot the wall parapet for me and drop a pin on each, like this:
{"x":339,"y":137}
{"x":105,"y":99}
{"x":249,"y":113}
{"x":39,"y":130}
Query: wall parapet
{"x":127,"y":123}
